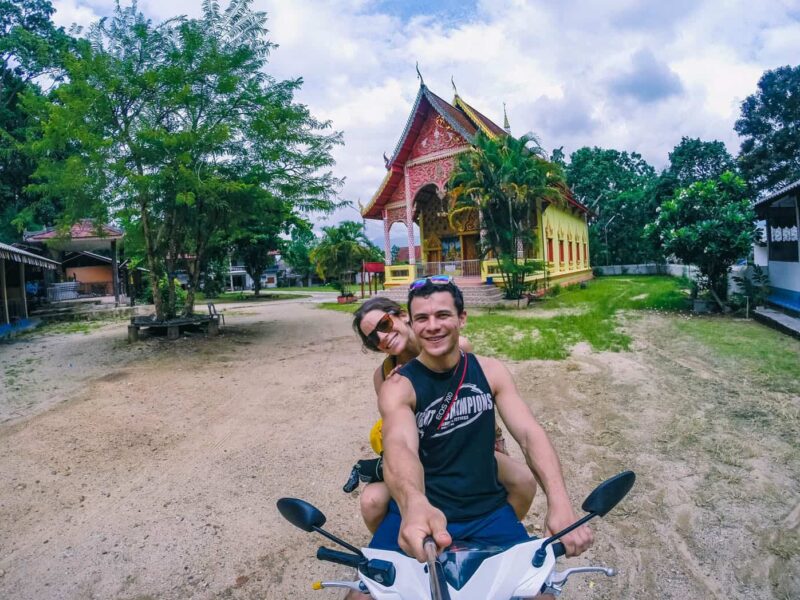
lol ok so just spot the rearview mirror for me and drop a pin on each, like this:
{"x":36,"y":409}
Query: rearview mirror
{"x":301,"y":514}
{"x":608,"y":494}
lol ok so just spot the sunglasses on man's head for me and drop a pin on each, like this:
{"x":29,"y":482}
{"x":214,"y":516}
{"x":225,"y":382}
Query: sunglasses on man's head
{"x":385,"y":325}
{"x":434,"y":279}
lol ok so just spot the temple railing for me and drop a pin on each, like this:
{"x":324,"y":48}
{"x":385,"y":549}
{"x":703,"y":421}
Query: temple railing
{"x":454,"y":268}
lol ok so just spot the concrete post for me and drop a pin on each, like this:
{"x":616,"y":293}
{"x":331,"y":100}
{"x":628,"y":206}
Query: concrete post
{"x":115,"y":272}
{"x":3,"y":287}
{"x":22,"y":287}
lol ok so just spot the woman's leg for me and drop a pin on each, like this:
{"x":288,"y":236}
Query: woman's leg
{"x":519,"y":482}
{"x":374,"y":502}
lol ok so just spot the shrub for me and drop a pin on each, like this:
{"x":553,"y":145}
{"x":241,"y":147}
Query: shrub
{"x":598,"y":271}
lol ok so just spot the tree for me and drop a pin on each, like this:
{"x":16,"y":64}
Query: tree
{"x":176,"y":129}
{"x":299,"y":249}
{"x":617,"y":187}
{"x":506,"y":180}
{"x":30,"y":47}
{"x":769,"y":156}
{"x":709,"y":224}
{"x":340,"y":253}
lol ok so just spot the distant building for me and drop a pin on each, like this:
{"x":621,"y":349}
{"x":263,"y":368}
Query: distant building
{"x":781,"y":213}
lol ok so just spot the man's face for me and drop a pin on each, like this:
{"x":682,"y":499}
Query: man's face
{"x":436,"y":323}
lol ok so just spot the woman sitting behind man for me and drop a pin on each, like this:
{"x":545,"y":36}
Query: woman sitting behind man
{"x":383,"y":326}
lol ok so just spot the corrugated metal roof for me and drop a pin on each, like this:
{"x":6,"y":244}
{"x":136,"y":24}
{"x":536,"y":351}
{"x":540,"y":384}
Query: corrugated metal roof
{"x":21,"y":256}
{"x":785,"y":191}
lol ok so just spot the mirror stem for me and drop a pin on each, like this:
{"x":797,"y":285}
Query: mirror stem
{"x":336,"y":540}
{"x":541,"y":553}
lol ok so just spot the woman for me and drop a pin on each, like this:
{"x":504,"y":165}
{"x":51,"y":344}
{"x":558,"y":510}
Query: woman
{"x":383,"y":326}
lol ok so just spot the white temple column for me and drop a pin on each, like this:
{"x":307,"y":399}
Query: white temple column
{"x":387,"y":247}
{"x":412,"y":255}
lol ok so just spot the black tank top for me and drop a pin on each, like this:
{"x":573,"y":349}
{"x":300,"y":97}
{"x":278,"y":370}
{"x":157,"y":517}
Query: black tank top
{"x":458,"y":459}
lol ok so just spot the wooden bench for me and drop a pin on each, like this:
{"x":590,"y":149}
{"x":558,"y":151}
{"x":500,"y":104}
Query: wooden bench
{"x":173,"y":326}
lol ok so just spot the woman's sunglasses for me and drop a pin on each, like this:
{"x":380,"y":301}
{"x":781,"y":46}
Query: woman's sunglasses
{"x":434,"y":279}
{"x":385,"y":325}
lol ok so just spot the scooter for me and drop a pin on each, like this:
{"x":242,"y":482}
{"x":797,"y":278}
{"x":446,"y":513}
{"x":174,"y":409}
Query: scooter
{"x":523,"y":570}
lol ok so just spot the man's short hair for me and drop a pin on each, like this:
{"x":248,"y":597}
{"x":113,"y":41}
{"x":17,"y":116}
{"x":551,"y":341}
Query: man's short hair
{"x":429,"y":287}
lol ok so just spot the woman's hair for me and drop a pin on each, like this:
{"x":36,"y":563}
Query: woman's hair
{"x":378,"y":303}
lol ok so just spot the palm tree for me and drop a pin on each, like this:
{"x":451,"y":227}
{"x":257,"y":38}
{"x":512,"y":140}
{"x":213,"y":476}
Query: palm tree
{"x":504,"y":179}
{"x":340,"y":252}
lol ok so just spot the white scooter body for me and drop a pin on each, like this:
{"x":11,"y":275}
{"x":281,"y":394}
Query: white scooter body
{"x":506,"y":575}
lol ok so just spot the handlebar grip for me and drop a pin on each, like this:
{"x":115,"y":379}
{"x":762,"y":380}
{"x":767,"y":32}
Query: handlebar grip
{"x":340,"y":558}
{"x":559,"y":549}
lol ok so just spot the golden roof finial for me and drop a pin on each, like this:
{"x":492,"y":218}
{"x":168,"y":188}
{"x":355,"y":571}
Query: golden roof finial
{"x":419,"y":75}
{"x":453,"y":83}
{"x":506,"y":124}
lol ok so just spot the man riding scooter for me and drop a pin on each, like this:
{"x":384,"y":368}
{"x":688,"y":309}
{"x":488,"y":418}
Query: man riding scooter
{"x":438,"y":438}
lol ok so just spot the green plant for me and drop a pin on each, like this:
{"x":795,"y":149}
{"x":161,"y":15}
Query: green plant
{"x":598,"y":271}
{"x":505,"y":179}
{"x":753,"y":288}
{"x":555,"y":290}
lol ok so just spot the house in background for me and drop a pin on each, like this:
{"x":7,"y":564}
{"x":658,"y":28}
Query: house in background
{"x":19,"y":271}
{"x":781,"y":213}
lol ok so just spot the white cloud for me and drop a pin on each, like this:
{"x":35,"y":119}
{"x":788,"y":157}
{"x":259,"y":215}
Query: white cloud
{"x":552,"y":63}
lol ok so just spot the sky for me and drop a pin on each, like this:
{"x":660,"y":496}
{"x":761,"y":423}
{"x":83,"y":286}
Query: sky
{"x":622,"y":74}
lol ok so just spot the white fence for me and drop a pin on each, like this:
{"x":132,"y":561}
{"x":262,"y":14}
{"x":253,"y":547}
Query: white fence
{"x":672,"y":269}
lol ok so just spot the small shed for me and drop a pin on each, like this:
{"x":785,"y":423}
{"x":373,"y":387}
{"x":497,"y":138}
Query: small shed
{"x":13,"y":265}
{"x":781,"y":212}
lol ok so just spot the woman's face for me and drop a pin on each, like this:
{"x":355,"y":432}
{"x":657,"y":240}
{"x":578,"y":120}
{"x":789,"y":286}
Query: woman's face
{"x":391,"y":332}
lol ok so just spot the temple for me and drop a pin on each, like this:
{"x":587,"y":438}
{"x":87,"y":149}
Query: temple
{"x":414,"y":191}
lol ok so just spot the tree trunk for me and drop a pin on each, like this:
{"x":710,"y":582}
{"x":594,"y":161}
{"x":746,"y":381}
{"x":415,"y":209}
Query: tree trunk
{"x":151,"y":261}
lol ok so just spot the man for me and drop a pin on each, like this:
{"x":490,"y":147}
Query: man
{"x":439,"y":456}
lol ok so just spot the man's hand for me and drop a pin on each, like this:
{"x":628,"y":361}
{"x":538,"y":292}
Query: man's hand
{"x":576,"y":542}
{"x":421,"y":520}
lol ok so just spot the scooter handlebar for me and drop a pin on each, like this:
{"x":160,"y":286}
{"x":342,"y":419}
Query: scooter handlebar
{"x":340,"y":558}
{"x":559,"y":549}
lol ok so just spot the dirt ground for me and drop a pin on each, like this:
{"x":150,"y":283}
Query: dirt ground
{"x":151,"y":470}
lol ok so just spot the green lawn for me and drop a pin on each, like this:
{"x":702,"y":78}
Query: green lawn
{"x":770,"y":357}
{"x":346,"y":308}
{"x":550,"y":328}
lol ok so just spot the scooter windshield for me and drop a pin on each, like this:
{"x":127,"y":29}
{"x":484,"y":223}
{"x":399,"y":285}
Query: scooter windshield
{"x":459,"y":563}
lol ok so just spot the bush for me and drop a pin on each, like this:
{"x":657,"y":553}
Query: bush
{"x":598,"y":271}
{"x":555,"y":290}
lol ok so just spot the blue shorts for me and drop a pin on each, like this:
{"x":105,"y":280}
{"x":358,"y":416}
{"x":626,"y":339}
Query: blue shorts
{"x":498,"y":528}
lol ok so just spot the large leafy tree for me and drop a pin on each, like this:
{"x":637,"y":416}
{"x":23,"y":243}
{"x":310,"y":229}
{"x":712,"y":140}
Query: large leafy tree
{"x":176,"y":129}
{"x":31,"y":49}
{"x":506,"y":179}
{"x":709,"y":224}
{"x":770,"y":125}
{"x":340,"y":252}
{"x":617,"y":187}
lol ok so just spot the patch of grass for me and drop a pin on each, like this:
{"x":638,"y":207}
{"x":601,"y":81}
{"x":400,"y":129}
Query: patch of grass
{"x":65,"y":327}
{"x":346,"y":308}
{"x":768,"y":356}
{"x":524,"y":338}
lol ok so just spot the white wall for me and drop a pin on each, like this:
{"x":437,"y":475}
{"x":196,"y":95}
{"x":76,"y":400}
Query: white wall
{"x":785,"y":275}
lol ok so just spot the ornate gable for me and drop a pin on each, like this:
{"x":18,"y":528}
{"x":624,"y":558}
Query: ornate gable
{"x":436,"y":135}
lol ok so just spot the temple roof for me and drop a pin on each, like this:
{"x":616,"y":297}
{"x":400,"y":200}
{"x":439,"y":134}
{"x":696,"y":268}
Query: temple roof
{"x":464,"y":119}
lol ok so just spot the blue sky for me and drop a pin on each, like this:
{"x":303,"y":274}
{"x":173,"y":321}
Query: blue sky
{"x":624,"y":74}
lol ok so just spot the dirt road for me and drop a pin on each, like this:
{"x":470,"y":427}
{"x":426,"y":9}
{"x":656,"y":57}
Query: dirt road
{"x":151,"y":471}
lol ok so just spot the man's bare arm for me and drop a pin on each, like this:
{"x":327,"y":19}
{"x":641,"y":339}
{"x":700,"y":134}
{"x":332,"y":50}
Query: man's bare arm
{"x":403,"y":472}
{"x":539,"y":454}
